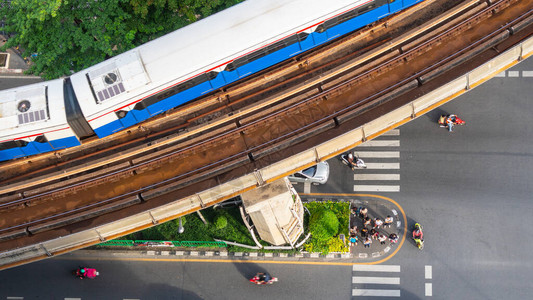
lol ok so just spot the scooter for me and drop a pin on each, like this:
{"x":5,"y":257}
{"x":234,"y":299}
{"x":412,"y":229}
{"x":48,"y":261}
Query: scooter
{"x":419,"y":241}
{"x":449,"y":121}
{"x":357,"y":162}
{"x":83,"y":272}
{"x":259,"y":278}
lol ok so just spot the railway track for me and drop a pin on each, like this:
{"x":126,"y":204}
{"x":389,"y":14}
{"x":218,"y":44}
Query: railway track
{"x":289,"y":117}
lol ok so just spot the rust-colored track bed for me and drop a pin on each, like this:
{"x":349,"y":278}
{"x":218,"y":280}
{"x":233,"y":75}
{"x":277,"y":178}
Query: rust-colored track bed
{"x":313,"y":102}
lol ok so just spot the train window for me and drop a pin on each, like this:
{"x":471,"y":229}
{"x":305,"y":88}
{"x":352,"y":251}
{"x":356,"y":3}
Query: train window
{"x":265,"y":51}
{"x":366,"y":8}
{"x":302,"y":36}
{"x":320,"y":28}
{"x":41,"y":139}
{"x":230,"y":67}
{"x":12,"y":144}
{"x":330,"y":23}
{"x":347,"y":16}
{"x":174,"y":90}
{"x":211,"y":75}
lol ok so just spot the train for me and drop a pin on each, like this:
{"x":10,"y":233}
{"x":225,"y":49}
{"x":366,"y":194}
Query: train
{"x":174,"y":69}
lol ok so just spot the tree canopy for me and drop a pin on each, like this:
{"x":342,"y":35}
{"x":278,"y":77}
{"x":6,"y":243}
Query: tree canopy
{"x":65,"y":36}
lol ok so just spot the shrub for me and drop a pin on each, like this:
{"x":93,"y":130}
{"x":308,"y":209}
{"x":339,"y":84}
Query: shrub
{"x":324,"y":236}
{"x":221,"y":222}
{"x":324,"y":224}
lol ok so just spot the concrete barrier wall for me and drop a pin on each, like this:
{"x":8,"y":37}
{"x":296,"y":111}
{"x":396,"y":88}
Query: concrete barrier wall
{"x":527,"y":48}
{"x":285,"y":167}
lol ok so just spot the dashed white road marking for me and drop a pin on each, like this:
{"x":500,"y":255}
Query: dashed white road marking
{"x":527,"y":73}
{"x":307,"y":187}
{"x":501,"y":74}
{"x":376,"y":280}
{"x":376,"y":268}
{"x":378,"y":154}
{"x":380,"y":143}
{"x":429,"y":272}
{"x":389,"y":166}
{"x":376,"y":188}
{"x":362,"y":280}
{"x":392,"y":132}
{"x":429,"y":289}
{"x":382,"y":293}
{"x":376,"y":176}
{"x":14,"y":298}
{"x":513,"y":73}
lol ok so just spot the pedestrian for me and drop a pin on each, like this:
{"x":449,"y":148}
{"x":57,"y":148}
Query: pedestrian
{"x":378,"y":223}
{"x":374,"y":234}
{"x":388,"y":221}
{"x":353,"y":240}
{"x":353,"y":230}
{"x":355,"y":210}
{"x":368,"y":242}
{"x":393,"y":238}
{"x":382,"y":239}
{"x":364,"y":232}
{"x":367,"y":221}
{"x":363,"y":211}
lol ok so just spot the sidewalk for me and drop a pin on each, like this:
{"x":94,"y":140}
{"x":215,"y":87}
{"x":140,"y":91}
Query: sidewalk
{"x":378,"y":206}
{"x":14,"y":63}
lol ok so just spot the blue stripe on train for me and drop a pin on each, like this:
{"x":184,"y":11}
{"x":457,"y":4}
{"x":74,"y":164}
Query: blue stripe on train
{"x":33,"y":148}
{"x":226,"y":77}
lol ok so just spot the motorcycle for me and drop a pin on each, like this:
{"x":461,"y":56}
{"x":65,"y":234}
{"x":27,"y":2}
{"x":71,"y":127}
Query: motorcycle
{"x":418,"y":236}
{"x":83,"y":272}
{"x":263,"y":278}
{"x":449,"y":121}
{"x":356,"y":162}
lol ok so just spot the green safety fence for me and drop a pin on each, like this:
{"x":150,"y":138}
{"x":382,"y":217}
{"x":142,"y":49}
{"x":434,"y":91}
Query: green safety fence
{"x":164,"y":243}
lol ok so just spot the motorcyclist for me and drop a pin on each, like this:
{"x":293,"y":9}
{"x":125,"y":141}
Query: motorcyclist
{"x":263,"y":277}
{"x":82,"y":272}
{"x":417,"y":232}
{"x":355,"y":162}
{"x":450,"y":121}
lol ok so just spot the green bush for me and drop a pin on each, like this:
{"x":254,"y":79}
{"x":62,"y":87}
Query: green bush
{"x":324,"y":224}
{"x":321,"y":224}
{"x":221,"y":222}
{"x":196,"y":230}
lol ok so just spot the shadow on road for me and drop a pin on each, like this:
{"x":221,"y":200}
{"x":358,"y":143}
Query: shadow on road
{"x":248,"y":269}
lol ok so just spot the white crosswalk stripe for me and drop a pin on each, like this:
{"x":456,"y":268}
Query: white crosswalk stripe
{"x":382,"y":281}
{"x":382,"y":159}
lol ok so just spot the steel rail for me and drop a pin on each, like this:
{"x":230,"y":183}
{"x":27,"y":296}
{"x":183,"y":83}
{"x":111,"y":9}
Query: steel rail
{"x":258,"y":121}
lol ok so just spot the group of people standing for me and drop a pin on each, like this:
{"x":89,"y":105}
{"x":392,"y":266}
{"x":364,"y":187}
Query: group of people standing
{"x":370,"y":229}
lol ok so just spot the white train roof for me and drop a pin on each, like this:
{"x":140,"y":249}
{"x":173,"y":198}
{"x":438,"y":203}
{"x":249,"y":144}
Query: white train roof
{"x":31,"y":110}
{"x":204,"y":45}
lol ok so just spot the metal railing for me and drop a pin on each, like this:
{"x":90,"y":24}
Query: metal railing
{"x":155,"y":243}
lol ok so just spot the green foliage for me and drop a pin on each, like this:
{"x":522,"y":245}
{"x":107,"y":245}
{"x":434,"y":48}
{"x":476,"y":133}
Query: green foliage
{"x":221,"y":222}
{"x":324,"y":224}
{"x":68,"y":36}
{"x":324,"y":232}
{"x":196,"y":230}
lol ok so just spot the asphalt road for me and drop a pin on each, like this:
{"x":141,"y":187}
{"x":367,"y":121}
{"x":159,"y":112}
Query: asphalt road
{"x":471,"y":189}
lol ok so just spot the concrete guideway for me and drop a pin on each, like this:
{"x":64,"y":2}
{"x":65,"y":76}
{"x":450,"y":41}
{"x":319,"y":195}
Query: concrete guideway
{"x":327,"y":150}
{"x":321,"y":152}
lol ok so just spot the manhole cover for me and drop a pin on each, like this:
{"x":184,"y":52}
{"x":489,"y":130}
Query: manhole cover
{"x":3,"y":59}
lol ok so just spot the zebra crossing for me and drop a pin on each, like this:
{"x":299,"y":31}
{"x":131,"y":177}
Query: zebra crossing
{"x":375,"y":281}
{"x":382,"y":157}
